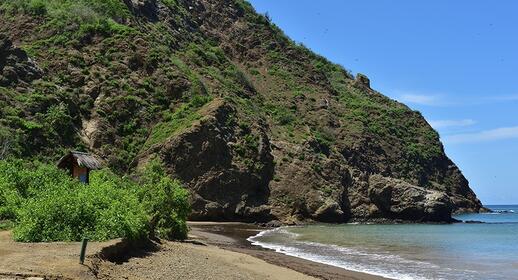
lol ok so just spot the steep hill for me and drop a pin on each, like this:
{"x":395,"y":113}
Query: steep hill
{"x":257,"y":126}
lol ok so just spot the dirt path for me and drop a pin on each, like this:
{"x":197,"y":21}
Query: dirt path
{"x":58,"y":260}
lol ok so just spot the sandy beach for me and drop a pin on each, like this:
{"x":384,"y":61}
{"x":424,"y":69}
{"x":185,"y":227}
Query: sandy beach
{"x":232,"y":237}
{"x":215,"y":251}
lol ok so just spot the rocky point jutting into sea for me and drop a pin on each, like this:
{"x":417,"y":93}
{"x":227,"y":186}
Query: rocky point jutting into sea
{"x":258,"y":127}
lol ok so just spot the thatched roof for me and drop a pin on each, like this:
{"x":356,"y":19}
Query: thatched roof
{"x":82,"y":159}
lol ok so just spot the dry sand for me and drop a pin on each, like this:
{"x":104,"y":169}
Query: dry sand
{"x":58,"y":260}
{"x":189,"y":261}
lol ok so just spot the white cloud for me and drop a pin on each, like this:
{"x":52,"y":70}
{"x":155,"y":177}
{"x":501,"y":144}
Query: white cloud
{"x":420,"y":99}
{"x":448,"y":99}
{"x":451,"y":123}
{"x":484,"y":136}
{"x":505,"y":98}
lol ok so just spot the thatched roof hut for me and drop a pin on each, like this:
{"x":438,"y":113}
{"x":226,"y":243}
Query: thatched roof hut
{"x":79,"y":165}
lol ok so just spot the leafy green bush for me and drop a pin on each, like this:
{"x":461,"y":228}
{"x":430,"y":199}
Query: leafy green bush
{"x":6,"y":224}
{"x":48,"y":205}
{"x":45,"y":204}
{"x":20,"y":181}
{"x":99,"y":212}
{"x":166,"y":203}
{"x":37,"y":7}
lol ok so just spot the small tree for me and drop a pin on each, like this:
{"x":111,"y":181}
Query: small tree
{"x":166,"y":203}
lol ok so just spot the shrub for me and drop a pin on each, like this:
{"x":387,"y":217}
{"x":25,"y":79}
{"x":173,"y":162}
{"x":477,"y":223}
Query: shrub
{"x":5,"y":225}
{"x":166,"y":203}
{"x":20,"y":181}
{"x":8,"y":143}
{"x":45,"y":204}
{"x":67,"y":210}
{"x":37,"y":7}
{"x":97,"y":212}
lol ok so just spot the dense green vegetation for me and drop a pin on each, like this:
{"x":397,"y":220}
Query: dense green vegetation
{"x":45,"y":204}
{"x":77,"y":17}
{"x":44,"y":122}
{"x":51,"y":122}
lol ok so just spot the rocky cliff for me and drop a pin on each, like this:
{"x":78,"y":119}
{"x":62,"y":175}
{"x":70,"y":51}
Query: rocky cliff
{"x":258,"y":127}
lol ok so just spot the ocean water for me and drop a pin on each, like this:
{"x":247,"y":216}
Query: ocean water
{"x":486,"y":251}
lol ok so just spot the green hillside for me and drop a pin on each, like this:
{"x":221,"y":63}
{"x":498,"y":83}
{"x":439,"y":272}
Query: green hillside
{"x":257,"y":126}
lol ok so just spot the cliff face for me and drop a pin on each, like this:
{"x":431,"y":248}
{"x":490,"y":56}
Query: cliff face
{"x":256,"y":126}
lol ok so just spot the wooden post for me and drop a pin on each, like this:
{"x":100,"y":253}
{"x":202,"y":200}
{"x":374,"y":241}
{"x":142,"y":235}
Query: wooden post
{"x":83,"y":251}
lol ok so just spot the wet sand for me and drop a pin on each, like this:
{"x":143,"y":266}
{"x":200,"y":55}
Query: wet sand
{"x":232,"y":237}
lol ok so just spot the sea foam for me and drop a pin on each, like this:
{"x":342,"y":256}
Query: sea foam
{"x":336,"y":255}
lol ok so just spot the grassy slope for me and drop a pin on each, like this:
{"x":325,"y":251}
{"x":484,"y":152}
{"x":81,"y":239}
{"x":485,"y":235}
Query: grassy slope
{"x":295,"y":84}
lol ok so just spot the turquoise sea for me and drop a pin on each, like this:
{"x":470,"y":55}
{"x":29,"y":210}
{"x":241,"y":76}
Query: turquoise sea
{"x":487,"y":251}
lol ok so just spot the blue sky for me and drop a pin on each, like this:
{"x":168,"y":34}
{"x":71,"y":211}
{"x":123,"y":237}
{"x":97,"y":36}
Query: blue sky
{"x":455,"y":61}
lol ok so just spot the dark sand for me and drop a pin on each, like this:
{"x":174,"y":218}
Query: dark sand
{"x":232,"y":237}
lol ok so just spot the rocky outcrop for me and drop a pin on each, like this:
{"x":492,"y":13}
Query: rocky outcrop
{"x":144,"y":8}
{"x":208,"y":158}
{"x":15,"y":65}
{"x":362,"y":81}
{"x":398,"y":200}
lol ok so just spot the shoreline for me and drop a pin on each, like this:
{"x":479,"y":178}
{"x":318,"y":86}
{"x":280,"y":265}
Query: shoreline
{"x":233,"y":236}
{"x":213,"y":251}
